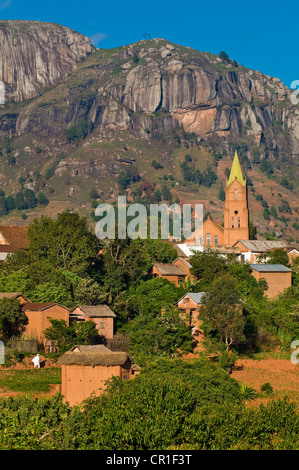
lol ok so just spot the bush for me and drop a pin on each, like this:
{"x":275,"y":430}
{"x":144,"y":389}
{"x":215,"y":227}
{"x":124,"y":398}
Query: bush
{"x":267,"y":388}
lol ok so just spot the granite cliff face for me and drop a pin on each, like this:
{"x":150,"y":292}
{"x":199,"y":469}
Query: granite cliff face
{"x":36,"y":55}
{"x":152,"y":87}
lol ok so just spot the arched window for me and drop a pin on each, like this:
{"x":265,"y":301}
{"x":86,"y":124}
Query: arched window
{"x":233,"y":223}
{"x":236,"y":194}
{"x":216,"y":240}
{"x":200,"y":240}
{"x":208,"y":238}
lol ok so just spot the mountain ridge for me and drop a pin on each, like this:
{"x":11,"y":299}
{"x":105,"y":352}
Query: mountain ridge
{"x":156,"y":101}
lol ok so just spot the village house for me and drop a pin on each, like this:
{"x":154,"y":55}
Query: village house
{"x":101,"y":315}
{"x":185,"y":265}
{"x":277,"y":276}
{"x":85,"y":370}
{"x":15,"y":295}
{"x":173,"y":273}
{"x":189,"y":306}
{"x":38,"y":315}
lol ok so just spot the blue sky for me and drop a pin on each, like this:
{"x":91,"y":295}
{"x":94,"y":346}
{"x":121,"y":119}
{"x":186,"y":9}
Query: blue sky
{"x":259,"y":34}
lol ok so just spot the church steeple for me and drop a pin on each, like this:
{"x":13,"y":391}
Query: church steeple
{"x":236,"y":172}
{"x":236,"y":218}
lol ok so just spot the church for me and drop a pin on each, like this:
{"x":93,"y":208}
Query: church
{"x":236,"y":215}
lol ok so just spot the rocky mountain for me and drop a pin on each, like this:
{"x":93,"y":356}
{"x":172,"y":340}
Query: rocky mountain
{"x":36,"y":55}
{"x":136,"y":111}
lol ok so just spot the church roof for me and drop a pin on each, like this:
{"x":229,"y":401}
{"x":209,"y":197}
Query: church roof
{"x":236,"y":172}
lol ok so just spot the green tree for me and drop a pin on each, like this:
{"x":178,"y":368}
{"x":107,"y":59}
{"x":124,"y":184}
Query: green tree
{"x":67,"y":336}
{"x":12,"y":319}
{"x":42,"y":199}
{"x":222,"y":311}
{"x":66,"y":242}
{"x":206,"y":266}
{"x":221,"y":194}
{"x":165,"y":335}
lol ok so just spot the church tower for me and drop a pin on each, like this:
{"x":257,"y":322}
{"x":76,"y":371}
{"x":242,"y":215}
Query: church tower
{"x":236,"y":215}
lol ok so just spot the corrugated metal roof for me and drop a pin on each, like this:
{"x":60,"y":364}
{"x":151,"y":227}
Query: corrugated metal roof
{"x":196,"y":296}
{"x":270,"y":268}
{"x":261,"y":246}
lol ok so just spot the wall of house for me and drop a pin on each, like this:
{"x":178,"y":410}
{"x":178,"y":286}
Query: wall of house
{"x":80,"y":382}
{"x":277,"y":282}
{"x":190,"y":309}
{"x":178,"y":262}
{"x":104,"y":326}
{"x":38,"y":321}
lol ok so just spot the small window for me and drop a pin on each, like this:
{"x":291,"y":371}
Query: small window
{"x":233,"y":222}
{"x":216,"y":240}
{"x":208,"y":237}
{"x":239,"y":222}
{"x":236,"y":194}
{"x":102,"y":325}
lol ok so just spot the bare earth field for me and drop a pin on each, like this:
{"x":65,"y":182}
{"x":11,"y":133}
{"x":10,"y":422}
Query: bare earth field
{"x":282,"y":374}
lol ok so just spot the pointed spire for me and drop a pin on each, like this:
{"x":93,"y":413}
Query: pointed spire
{"x":236,"y":172}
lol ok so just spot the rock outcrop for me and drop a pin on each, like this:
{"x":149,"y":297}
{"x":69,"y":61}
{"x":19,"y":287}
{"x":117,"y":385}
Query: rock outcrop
{"x":36,"y":55}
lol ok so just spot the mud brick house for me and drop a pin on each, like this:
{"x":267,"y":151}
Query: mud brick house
{"x":85,"y":369}
{"x":15,"y":295}
{"x":101,"y":315}
{"x":174,"y":274}
{"x":38,"y":315}
{"x":277,"y":276}
{"x":183,"y":263}
{"x":12,"y":238}
{"x":189,"y":306}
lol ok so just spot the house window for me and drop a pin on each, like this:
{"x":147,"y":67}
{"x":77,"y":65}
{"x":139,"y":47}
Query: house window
{"x":236,"y":194}
{"x":233,"y":223}
{"x":102,"y":325}
{"x":239,"y":222}
{"x":208,"y":237}
{"x":216,"y":240}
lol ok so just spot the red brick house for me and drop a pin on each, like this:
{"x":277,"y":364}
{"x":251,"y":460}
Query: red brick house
{"x":189,"y":306}
{"x":174,"y":274}
{"x":101,"y":315}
